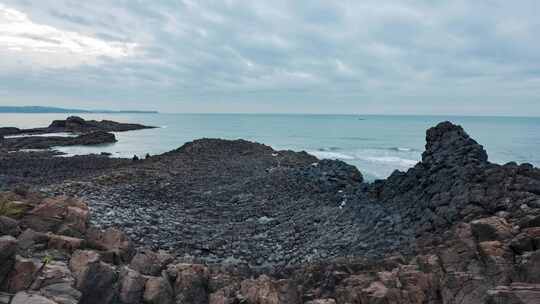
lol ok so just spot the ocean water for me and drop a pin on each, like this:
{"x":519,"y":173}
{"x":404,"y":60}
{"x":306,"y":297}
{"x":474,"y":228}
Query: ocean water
{"x":376,"y":144}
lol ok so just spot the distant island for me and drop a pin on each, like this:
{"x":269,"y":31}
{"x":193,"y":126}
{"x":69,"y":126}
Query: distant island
{"x":39,"y":109}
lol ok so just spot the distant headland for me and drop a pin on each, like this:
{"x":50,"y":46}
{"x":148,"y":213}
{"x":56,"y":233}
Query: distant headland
{"x":40,"y":109}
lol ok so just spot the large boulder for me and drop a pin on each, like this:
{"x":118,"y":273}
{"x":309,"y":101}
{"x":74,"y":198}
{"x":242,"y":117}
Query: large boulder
{"x":66,"y":243}
{"x":491,"y":228}
{"x":112,"y":240}
{"x":516,"y":293}
{"x":9,"y":226}
{"x":191,"y":283}
{"x":57,"y":212}
{"x":62,"y":293}
{"x":23,"y":273}
{"x":149,"y":262}
{"x":528,"y":267}
{"x":8,"y":248}
{"x":131,"y":285}
{"x":96,"y":280}
{"x":158,"y":290}
{"x":30,"y":298}
{"x":264,"y":290}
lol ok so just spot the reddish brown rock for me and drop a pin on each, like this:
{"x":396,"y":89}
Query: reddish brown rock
{"x":29,"y":239}
{"x":98,"y":284}
{"x":23,"y":273}
{"x":9,"y":226}
{"x":191,"y":284}
{"x":158,"y":290}
{"x":96,"y":280}
{"x":80,"y":260}
{"x":350,"y":289}
{"x":62,"y":242}
{"x":112,"y":240}
{"x":54,"y":272}
{"x":322,"y":301}
{"x":8,"y":247}
{"x":30,"y":298}
{"x":149,"y":262}
{"x":131,"y":285}
{"x":62,"y":293}
{"x":264,"y":290}
{"x":516,"y":293}
{"x":491,"y":228}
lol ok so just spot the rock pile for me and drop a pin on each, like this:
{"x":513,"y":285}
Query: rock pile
{"x":50,"y":254}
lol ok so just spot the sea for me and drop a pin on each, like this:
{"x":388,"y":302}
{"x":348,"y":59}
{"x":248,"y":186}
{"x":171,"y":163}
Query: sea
{"x":376,"y":144}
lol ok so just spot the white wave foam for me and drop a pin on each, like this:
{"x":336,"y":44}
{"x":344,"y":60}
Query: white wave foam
{"x":393,"y":160}
{"x":331,"y":155}
{"x":60,"y":134}
{"x":400,"y":149}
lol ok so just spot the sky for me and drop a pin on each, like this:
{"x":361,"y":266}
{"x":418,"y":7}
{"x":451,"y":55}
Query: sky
{"x":350,"y":57}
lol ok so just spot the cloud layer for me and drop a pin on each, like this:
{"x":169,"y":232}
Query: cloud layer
{"x":461,"y":57}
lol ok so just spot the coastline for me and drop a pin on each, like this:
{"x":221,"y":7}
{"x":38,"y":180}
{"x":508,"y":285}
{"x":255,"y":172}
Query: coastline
{"x":240,"y":219}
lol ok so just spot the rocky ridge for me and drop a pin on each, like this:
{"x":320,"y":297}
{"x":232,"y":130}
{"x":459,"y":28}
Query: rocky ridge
{"x":87,"y":132}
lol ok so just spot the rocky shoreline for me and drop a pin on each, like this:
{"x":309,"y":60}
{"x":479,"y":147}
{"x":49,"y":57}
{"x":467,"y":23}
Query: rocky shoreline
{"x":84,"y":132}
{"x":220,"y":221}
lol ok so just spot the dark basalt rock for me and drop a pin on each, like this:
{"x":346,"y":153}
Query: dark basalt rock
{"x":46,"y":142}
{"x":78,"y":125}
{"x":5,"y":131}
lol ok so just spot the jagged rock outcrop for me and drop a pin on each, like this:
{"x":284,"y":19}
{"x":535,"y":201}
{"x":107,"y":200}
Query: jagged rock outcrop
{"x":75,"y":124}
{"x":46,"y":142}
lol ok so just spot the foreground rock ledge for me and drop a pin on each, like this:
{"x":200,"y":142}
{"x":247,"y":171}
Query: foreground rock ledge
{"x":475,"y":239}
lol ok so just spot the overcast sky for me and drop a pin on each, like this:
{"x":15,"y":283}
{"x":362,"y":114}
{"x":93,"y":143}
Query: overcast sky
{"x":388,"y":57}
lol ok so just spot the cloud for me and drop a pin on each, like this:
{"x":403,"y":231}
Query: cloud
{"x":281,"y":56}
{"x":50,"y":47}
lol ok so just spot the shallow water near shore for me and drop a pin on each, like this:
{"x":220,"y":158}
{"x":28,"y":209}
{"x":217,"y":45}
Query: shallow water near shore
{"x":376,"y":144}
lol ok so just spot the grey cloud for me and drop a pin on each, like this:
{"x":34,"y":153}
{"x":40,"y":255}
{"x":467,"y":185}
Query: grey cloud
{"x":299,"y":56}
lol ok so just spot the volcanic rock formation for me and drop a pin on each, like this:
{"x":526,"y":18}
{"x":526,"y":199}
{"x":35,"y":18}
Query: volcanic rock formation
{"x":246,"y":224}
